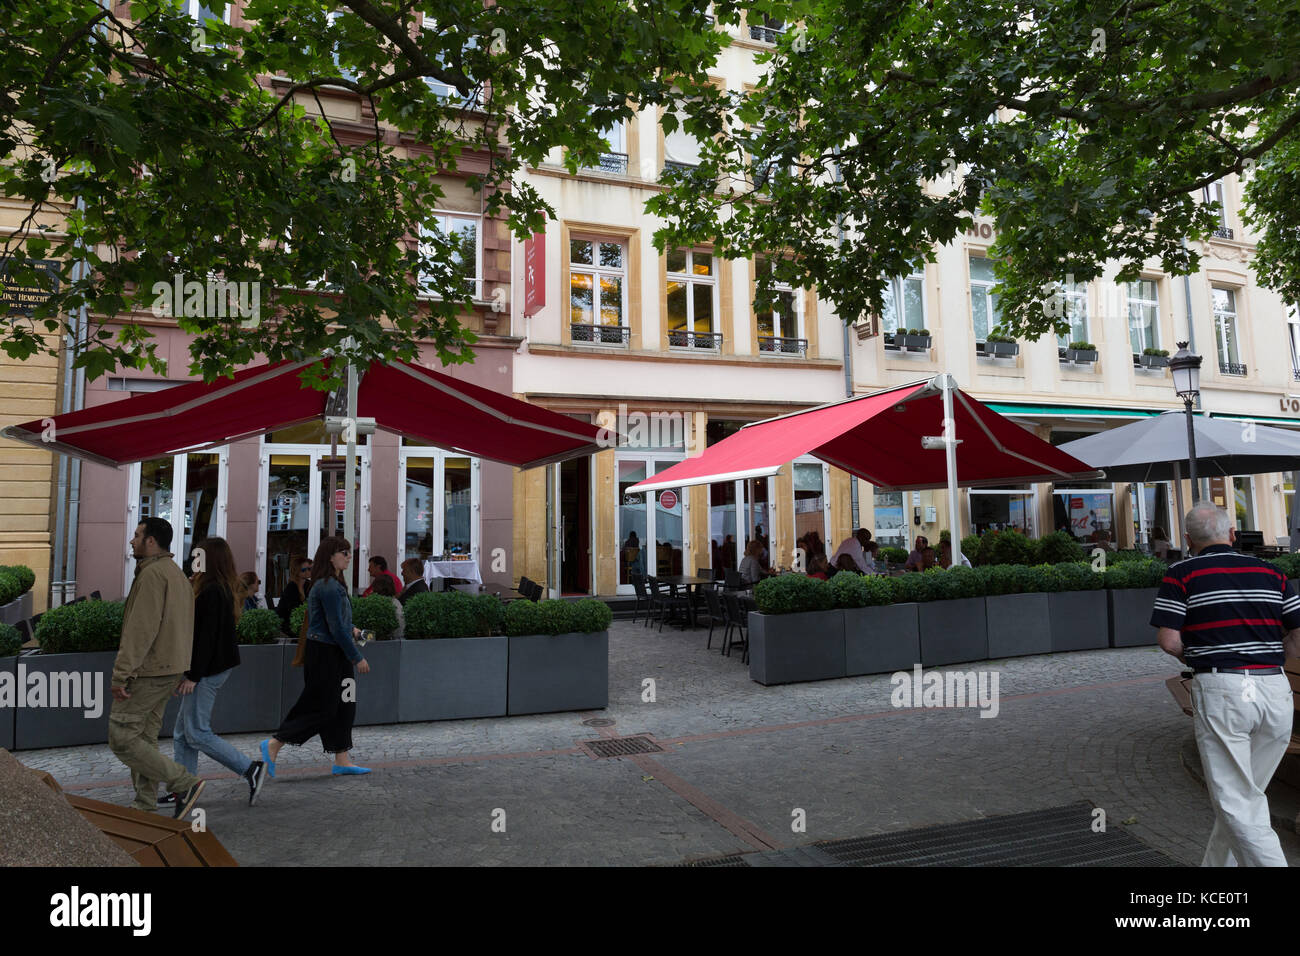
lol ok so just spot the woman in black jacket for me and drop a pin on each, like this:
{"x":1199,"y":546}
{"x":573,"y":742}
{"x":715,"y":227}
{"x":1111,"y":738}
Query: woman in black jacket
{"x":212,"y":661}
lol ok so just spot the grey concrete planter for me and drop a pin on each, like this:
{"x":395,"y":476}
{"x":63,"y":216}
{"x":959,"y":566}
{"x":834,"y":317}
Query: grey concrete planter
{"x":1130,"y":617}
{"x":549,"y":673}
{"x":50,"y":726}
{"x":953,"y":631}
{"x":19,"y":609}
{"x":249,"y":701}
{"x":1079,"y":620}
{"x":785,"y":648}
{"x":376,"y":691}
{"x":8,"y":673}
{"x":1018,"y":624}
{"x":452,"y":678}
{"x":880,"y":640}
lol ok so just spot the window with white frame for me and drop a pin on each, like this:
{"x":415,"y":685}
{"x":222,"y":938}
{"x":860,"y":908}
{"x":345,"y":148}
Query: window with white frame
{"x":334,"y":28}
{"x":681,"y":148}
{"x":692,"y":299}
{"x":984,"y":313}
{"x":780,"y":328}
{"x":904,"y":302}
{"x":201,"y":13}
{"x":464,"y":233}
{"x":1143,"y":315}
{"x":1074,"y":302}
{"x":1293,"y":333}
{"x":440,"y":504}
{"x":445,"y":90}
{"x":1213,"y":193}
{"x":767,"y":31}
{"x":598,"y":291}
{"x":614,"y":159}
{"x":1225,"y":331}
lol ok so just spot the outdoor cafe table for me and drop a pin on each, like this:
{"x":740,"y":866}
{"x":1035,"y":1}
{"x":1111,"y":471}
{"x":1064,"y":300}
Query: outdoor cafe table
{"x":690,"y":582}
{"x":467,"y":570}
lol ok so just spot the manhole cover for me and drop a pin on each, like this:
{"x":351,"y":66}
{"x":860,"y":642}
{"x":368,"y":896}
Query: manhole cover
{"x":621,"y":746}
{"x":598,"y":722}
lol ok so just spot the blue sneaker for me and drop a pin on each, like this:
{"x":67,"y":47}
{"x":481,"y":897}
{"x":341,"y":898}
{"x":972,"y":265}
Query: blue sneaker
{"x":340,"y":771}
{"x":266,"y":757}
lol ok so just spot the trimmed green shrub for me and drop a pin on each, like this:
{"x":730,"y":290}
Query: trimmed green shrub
{"x":259,"y":625}
{"x":1012,"y":547}
{"x":81,"y":627}
{"x":10,"y":640}
{"x":523,"y":617}
{"x":555,"y":616}
{"x":295,"y":618}
{"x":375,"y":612}
{"x":1288,"y":564}
{"x":960,"y":582}
{"x":970,"y":546}
{"x":1057,"y":547}
{"x":590,"y":616}
{"x":489,"y":614}
{"x":1076,"y":576}
{"x":893,"y":555}
{"x":793,"y":593}
{"x":1146,"y":573}
{"x":915,"y":586}
{"x":858,"y":590}
{"x":26,"y":578}
{"x":10,"y":586}
{"x":1127,"y":555}
{"x":440,"y":615}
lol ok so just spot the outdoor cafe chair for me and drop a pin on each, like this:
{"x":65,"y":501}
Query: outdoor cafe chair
{"x":738,"y":621}
{"x":733,"y":581}
{"x":642,"y":597}
{"x":672,"y":606}
{"x":716,"y":614}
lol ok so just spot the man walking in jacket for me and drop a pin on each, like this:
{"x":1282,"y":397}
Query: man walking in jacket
{"x":157,"y":636}
{"x":1228,"y":617}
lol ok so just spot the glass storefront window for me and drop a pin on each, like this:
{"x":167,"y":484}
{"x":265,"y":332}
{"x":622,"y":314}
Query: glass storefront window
{"x":201,"y":489}
{"x":891,"y":529}
{"x":438,"y":507}
{"x":1086,"y":513}
{"x":722,"y":525}
{"x":157,"y":479}
{"x":288,"y":497}
{"x":1244,"y":501}
{"x":998,"y":510}
{"x":809,"y":508}
{"x":669,"y":532}
{"x":418,"y":534}
{"x":456,"y":506}
{"x":631,"y":522}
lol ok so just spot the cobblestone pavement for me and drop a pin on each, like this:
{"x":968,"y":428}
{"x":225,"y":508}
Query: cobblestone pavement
{"x":741,"y":760}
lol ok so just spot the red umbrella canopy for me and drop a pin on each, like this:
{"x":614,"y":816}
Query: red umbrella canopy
{"x":878,"y":438}
{"x":401,"y":397}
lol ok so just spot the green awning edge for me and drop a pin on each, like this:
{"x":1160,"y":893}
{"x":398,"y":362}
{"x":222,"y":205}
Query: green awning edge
{"x":1071,"y":411}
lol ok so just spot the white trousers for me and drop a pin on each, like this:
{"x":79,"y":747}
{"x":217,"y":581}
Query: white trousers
{"x":1243,"y":727}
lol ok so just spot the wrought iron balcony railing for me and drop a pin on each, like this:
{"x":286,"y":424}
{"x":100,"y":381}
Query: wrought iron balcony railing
{"x":1223,"y":232}
{"x":614,"y":163}
{"x":686,"y":338}
{"x":787,"y":346}
{"x":601,"y":334}
{"x":673,"y":164}
{"x":1232,"y":368}
{"x":764,"y":34}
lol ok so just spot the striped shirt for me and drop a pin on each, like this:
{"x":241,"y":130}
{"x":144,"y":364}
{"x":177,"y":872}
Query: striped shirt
{"x":1232,"y":609}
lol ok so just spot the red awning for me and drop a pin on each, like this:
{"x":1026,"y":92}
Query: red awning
{"x":878,"y":438}
{"x":401,"y":397}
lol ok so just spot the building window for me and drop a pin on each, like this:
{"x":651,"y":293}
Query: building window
{"x":768,"y":31}
{"x":904,"y":302}
{"x":1143,"y":315}
{"x":1002,"y":510}
{"x":984,"y":313}
{"x":1086,"y":511}
{"x":810,"y":512}
{"x":439,"y":503}
{"x":1225,"y":331}
{"x":598,"y":291}
{"x":780,"y":329}
{"x":446,"y":91}
{"x":1293,"y":333}
{"x":1074,"y":302}
{"x":614,"y":159}
{"x":201,"y":13}
{"x":334,"y":25}
{"x":464,"y":235}
{"x":890,"y":529}
{"x":681,"y":149}
{"x":1213,"y":193}
{"x":692,"y":300}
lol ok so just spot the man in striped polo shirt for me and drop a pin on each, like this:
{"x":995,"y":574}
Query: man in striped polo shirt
{"x":1226,"y":615}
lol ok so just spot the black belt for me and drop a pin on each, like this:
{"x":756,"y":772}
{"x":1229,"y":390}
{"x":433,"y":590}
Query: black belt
{"x":1260,"y":671}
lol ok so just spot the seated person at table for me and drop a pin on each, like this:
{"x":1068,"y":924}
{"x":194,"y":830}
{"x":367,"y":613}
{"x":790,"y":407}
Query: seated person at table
{"x":413,"y":577}
{"x":855,"y":547}
{"x":945,"y":556}
{"x":869,"y":552}
{"x":751,"y":569}
{"x":378,"y":568}
{"x":1159,"y":543}
{"x":914,"y":558}
{"x":846,"y":563}
{"x":817,"y":567}
{"x":928,"y":560}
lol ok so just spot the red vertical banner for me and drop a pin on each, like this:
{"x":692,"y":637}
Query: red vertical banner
{"x":534,"y":273}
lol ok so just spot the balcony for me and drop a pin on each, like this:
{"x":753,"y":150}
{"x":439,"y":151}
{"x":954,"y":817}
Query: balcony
{"x":1295,"y":374}
{"x":681,"y":167}
{"x":601,"y":334}
{"x":765,"y":34}
{"x":785,"y":346}
{"x":685,"y":339}
{"x":1232,"y":368}
{"x":614,"y":163}
{"x":1223,"y":232}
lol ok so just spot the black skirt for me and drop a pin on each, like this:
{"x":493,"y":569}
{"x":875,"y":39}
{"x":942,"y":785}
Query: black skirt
{"x":321,"y":708}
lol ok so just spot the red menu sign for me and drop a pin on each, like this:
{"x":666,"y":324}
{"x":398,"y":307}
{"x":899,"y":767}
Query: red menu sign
{"x":534,"y":273}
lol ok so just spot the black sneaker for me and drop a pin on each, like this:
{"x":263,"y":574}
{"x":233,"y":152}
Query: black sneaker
{"x":167,"y":800}
{"x":187,"y":799}
{"x":256,"y":776}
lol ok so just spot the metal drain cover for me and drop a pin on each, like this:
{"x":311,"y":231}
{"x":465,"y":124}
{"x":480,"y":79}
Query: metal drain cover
{"x":621,"y":746}
{"x":598,"y":722}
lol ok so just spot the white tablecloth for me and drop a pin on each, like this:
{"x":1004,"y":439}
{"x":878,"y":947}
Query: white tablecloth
{"x":452,"y":569}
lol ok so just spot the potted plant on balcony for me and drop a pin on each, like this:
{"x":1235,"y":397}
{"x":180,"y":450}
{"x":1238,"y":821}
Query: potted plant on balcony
{"x":1081,"y":352}
{"x":1002,"y":346}
{"x":914,"y":340}
{"x":1154,"y":358}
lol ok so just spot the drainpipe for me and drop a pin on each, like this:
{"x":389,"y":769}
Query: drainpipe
{"x":60,"y":503}
{"x":854,"y":506}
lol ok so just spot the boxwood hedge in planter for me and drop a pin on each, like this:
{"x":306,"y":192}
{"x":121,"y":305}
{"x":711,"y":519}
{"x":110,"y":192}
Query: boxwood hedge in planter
{"x":84,"y":627}
{"x":10,"y":640}
{"x":1289,"y":564}
{"x":1017,"y":610}
{"x":440,"y":615}
{"x":892,"y":555}
{"x":1131,"y":588}
{"x":879,"y":637}
{"x":1078,"y":607}
{"x":1057,"y":547}
{"x":797,"y":634}
{"x":375,"y":612}
{"x":792,"y":594}
{"x":950,"y":615}
{"x":564,"y":664}
{"x":15,"y":580}
{"x":295,"y":619}
{"x":258,"y":625}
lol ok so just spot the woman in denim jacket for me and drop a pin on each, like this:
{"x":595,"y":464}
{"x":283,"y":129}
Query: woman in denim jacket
{"x":323,"y":707}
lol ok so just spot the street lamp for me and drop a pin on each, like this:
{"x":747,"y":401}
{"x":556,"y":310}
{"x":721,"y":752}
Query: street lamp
{"x":1186,"y":366}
